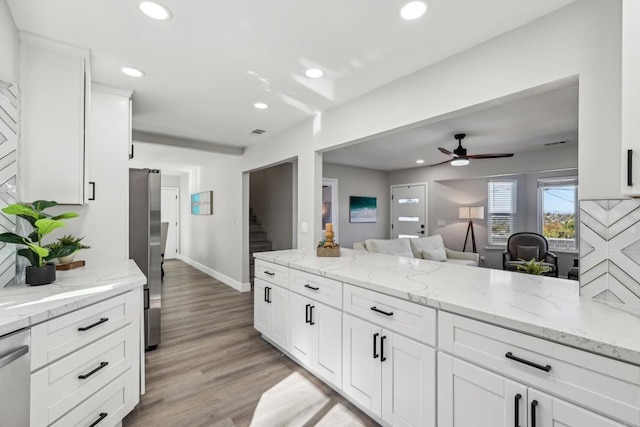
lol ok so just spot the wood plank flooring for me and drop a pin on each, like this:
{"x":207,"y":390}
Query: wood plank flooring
{"x":213,"y":369}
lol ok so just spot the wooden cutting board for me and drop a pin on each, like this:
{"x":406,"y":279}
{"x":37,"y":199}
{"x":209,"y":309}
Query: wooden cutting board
{"x":70,"y":265}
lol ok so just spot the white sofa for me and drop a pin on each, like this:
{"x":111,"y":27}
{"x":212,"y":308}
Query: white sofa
{"x":431,"y":248}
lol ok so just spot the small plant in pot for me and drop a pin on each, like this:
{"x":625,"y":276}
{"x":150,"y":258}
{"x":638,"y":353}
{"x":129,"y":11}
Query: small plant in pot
{"x":533,"y":267}
{"x":65,"y":244}
{"x":41,"y":271}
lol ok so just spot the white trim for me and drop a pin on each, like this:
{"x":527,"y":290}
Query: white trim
{"x":241,"y":287}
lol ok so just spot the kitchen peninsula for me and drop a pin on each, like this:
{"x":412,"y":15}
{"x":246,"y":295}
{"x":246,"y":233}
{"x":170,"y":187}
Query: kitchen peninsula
{"x":502,"y":345}
{"x":86,"y":354}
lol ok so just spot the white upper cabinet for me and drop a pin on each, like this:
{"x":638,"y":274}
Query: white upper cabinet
{"x":55,"y":83}
{"x":630,"y":98}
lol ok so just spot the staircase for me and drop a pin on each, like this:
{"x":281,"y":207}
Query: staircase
{"x":257,"y":241}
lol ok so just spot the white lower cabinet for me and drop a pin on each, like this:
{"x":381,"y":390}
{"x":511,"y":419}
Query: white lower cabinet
{"x":469,"y":395}
{"x":392,"y":376}
{"x":315,"y":336}
{"x":271,"y":311}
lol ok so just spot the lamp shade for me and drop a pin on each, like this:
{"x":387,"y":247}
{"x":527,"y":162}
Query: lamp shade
{"x":471,"y":212}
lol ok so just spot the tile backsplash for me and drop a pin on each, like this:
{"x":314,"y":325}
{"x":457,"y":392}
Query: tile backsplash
{"x":610,"y":250}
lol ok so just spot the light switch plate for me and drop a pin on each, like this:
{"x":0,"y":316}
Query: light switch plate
{"x":441,"y":223}
{"x":304,"y":227}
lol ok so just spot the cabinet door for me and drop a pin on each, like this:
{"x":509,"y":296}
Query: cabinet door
{"x":471,"y":396}
{"x":301,"y":343}
{"x":548,"y":411}
{"x":630,"y":131}
{"x":328,"y":342}
{"x":361,"y":363}
{"x":261,"y":309}
{"x":408,"y":381}
{"x":280,"y":311}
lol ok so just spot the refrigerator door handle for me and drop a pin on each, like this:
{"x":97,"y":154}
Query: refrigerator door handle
{"x":146,"y":299}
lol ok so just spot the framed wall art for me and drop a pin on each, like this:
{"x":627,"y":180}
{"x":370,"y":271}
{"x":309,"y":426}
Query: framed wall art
{"x":363,"y":209}
{"x":202,"y":203}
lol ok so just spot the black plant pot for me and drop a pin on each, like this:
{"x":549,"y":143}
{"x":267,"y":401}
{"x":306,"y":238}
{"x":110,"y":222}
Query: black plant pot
{"x":41,"y":275}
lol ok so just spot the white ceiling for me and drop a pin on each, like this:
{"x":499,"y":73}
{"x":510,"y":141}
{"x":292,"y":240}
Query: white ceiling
{"x":207,"y":66}
{"x":511,"y":126}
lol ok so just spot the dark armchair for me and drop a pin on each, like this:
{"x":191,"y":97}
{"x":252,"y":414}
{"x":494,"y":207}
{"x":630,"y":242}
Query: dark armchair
{"x":527,"y":246}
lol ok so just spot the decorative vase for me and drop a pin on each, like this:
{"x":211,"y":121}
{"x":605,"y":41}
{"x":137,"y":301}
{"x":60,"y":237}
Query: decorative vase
{"x":37,"y":276}
{"x":67,"y":259}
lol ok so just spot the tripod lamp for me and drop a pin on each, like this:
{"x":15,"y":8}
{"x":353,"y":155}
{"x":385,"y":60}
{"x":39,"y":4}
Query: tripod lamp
{"x":470,"y":213}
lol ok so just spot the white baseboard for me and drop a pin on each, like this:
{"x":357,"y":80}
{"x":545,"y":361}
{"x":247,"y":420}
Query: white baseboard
{"x":238,"y":286}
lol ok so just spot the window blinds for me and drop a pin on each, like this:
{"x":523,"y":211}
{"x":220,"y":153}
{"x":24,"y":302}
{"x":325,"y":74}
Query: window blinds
{"x":501,"y":221}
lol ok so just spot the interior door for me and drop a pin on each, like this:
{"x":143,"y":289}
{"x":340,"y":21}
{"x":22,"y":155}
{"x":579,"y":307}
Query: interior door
{"x":408,"y":211}
{"x":169,"y":213}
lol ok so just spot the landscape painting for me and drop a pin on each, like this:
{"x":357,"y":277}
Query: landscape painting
{"x":362,"y":209}
{"x":202,"y":203}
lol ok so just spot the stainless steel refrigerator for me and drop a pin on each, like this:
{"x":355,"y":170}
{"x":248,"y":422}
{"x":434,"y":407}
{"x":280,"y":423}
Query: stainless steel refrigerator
{"x":144,"y":244}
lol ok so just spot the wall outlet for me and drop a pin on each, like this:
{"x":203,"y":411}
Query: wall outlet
{"x":482,"y":260}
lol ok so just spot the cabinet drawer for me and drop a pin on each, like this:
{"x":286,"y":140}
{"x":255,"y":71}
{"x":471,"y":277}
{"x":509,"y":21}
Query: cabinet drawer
{"x":272,"y":273}
{"x":319,"y":288}
{"x":409,"y":319}
{"x":105,"y":407}
{"x":601,"y":384}
{"x":58,"y":387}
{"x":66,"y":334}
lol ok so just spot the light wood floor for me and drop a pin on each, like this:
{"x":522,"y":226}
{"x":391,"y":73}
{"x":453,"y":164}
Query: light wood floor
{"x":213,"y":369}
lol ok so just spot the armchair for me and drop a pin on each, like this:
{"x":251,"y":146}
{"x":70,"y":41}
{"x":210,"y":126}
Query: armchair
{"x":527,"y":246}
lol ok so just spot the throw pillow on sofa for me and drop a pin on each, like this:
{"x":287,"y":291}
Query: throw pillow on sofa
{"x":437,"y":254}
{"x":399,"y":247}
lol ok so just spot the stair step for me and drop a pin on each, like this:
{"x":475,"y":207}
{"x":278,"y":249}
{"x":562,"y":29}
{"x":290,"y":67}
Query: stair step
{"x":255,"y":227}
{"x":253,"y":218}
{"x":260,"y":247}
{"x":257,"y":236}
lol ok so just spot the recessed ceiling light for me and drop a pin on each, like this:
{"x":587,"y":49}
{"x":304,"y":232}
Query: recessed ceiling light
{"x":420,"y":161}
{"x":155,"y":10}
{"x":133,"y":72}
{"x":413,"y":10}
{"x":459,"y":162}
{"x":314,"y":73}
{"x":261,"y":105}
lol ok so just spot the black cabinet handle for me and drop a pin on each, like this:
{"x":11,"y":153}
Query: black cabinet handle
{"x":375,"y":344}
{"x":306,"y":314}
{"x":630,"y":168}
{"x":308,"y":286}
{"x":265,"y":294}
{"x":85,"y":376}
{"x":99,"y":322}
{"x":516,"y":407}
{"x":269,"y":295}
{"x":534,"y":403}
{"x":268,"y":273}
{"x":102,"y":416}
{"x":382,"y":358}
{"x":311,"y":322}
{"x":545,"y":368}
{"x":93,"y":190}
{"x":377,"y":310}
{"x":131,"y":153}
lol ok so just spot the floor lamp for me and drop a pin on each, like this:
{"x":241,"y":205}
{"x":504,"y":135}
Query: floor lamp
{"x":470,"y":213}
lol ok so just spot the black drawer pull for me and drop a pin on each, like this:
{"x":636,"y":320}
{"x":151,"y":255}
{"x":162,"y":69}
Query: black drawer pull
{"x":377,"y":310}
{"x":308,"y":286}
{"x":630,"y":168}
{"x":517,"y":409}
{"x":382,"y":358}
{"x":268,"y":273}
{"x":375,"y":344}
{"x":85,"y":376}
{"x":99,"y":322}
{"x":534,"y":403}
{"x":102,"y":416}
{"x":545,"y":368}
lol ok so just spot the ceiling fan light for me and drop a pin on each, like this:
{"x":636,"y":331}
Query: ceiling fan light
{"x":459,"y":162}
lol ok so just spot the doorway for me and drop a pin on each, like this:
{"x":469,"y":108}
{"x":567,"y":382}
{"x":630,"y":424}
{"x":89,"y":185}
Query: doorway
{"x":330,"y":205}
{"x":408,"y":211}
{"x":170,"y":213}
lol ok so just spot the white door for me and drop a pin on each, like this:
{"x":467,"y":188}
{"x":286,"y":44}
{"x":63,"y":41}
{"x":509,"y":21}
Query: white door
{"x":361,"y":363}
{"x":409,"y":211}
{"x":547,"y":411}
{"x":169,"y":200}
{"x":471,"y":396}
{"x":408,"y":382}
{"x":261,"y":308}
{"x":328,"y":343}
{"x":301,"y":329}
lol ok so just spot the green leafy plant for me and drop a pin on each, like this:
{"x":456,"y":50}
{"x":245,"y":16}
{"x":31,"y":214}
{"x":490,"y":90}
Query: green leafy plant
{"x":43,"y":224}
{"x":533,"y":267}
{"x":69,"y":241}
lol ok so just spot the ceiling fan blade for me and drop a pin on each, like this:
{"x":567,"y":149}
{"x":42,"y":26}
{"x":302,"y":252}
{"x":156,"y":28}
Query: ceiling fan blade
{"x":445,"y":151}
{"x":490,"y":156}
{"x":441,"y":163}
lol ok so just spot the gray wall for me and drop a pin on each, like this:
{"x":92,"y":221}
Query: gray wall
{"x":9,"y":45}
{"x":359,"y":182}
{"x":271,"y":197}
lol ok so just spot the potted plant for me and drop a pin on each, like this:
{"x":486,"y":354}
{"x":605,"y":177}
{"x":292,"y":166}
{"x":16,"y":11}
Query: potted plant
{"x":41,"y":271}
{"x":66,"y":243}
{"x":533,"y":267}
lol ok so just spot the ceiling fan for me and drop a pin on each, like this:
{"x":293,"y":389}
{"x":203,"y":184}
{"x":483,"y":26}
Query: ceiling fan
{"x":460,"y":156}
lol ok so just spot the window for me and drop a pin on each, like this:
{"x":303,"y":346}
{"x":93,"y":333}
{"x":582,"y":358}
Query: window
{"x":501,"y":218}
{"x":557,"y":211}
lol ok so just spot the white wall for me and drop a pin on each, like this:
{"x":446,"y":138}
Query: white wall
{"x":359,"y":182}
{"x":169,"y":180}
{"x":9,"y":45}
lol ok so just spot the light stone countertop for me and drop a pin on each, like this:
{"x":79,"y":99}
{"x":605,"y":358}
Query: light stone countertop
{"x":24,"y":306}
{"x":544,"y":307}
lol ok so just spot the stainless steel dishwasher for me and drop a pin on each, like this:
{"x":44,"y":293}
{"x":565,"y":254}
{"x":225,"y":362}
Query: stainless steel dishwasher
{"x":15,"y":379}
